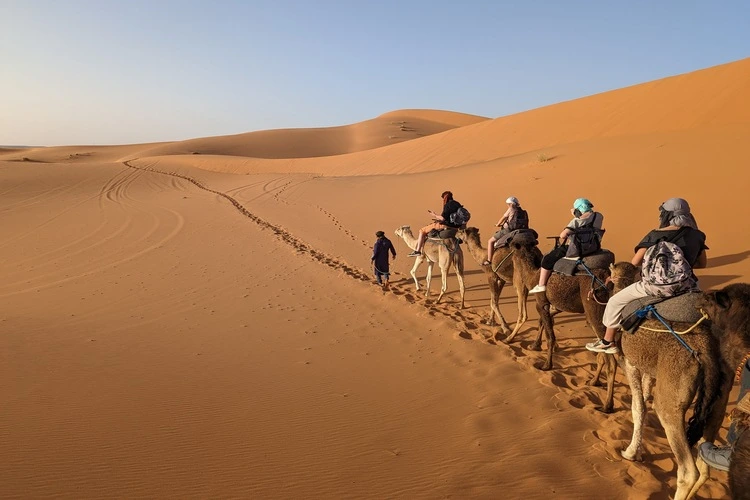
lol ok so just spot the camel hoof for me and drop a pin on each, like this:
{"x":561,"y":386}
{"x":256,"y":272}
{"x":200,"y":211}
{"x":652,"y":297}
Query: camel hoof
{"x":605,"y":409}
{"x":594,"y":383}
{"x":546,"y":367}
{"x":633,"y":457}
{"x":535,"y":347}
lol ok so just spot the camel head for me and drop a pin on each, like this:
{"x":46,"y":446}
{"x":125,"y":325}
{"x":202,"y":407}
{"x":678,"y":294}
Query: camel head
{"x":729,"y":311}
{"x":623,"y":274}
{"x":468,"y":234}
{"x":404,"y":231}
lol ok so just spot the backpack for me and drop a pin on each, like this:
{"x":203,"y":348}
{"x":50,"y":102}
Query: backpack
{"x":519,"y":220}
{"x":665,"y":271}
{"x":460,"y":217}
{"x":586,"y":239}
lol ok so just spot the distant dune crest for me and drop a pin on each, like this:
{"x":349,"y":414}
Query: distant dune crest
{"x":419,"y":140}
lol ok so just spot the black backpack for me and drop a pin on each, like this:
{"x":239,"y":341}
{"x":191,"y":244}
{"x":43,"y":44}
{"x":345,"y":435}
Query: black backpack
{"x":519,"y":220}
{"x":586,"y":239}
{"x":460,"y":217}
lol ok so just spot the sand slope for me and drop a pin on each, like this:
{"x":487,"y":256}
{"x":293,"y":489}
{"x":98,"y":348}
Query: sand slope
{"x":175,"y":331}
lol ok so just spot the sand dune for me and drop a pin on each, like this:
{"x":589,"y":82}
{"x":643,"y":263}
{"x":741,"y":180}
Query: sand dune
{"x":173,"y":329}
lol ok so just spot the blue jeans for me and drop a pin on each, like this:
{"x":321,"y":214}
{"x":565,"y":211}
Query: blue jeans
{"x":744,"y":387}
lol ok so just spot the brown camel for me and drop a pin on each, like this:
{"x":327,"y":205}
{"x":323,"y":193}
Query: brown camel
{"x":567,"y":294}
{"x":445,"y":252}
{"x":498,"y":274}
{"x":654,"y":358}
{"x":729,"y":310}
{"x":739,"y":466}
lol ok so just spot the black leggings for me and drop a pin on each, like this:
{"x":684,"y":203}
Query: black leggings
{"x":548,"y":261}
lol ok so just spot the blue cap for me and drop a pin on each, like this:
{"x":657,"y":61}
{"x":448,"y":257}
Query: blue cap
{"x":583,"y":205}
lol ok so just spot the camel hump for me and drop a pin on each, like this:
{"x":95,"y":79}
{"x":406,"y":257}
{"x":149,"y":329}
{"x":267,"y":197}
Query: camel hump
{"x":679,"y":309}
{"x":598,"y":260}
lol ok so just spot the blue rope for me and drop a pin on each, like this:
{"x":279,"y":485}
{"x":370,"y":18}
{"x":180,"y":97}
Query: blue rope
{"x":642,"y":313}
{"x":594,"y":279}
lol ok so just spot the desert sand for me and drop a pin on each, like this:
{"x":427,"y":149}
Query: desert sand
{"x":199,"y":319}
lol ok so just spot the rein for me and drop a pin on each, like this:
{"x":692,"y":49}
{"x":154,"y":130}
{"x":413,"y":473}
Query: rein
{"x":741,"y":367}
{"x":594,"y":279}
{"x":494,"y":270}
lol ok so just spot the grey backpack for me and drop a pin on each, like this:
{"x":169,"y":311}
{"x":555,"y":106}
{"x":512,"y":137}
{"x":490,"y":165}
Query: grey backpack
{"x":665,"y":271}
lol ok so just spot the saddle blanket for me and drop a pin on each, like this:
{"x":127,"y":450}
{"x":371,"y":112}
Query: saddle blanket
{"x":599,"y":260}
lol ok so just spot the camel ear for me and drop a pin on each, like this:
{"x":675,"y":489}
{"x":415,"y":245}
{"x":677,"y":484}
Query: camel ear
{"x":722,"y":299}
{"x":611,"y":268}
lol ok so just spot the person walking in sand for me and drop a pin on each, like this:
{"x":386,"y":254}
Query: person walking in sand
{"x":380,"y":259}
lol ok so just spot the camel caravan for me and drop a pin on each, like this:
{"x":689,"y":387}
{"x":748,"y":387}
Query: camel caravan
{"x":678,"y":346}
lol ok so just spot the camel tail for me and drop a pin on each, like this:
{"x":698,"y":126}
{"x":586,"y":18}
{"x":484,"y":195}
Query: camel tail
{"x":710,"y":381}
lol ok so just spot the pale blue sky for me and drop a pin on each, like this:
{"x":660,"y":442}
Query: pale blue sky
{"x":112,"y":72}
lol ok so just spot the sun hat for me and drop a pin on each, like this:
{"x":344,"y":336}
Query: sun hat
{"x":583,"y":205}
{"x":513,"y":200}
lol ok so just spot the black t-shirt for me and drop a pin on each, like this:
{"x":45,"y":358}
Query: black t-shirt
{"x":691,"y":241}
{"x":450,"y":208}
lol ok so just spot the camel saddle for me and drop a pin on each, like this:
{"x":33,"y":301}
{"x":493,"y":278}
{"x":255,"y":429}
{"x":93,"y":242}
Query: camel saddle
{"x":520,"y":236}
{"x":443,"y":234}
{"x":570,"y":266}
{"x":679,"y":309}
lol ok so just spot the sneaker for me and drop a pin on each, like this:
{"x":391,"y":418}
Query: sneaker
{"x":600,"y":346}
{"x":538,"y":289}
{"x":715,"y":456}
{"x":486,"y":262}
{"x":414,"y":254}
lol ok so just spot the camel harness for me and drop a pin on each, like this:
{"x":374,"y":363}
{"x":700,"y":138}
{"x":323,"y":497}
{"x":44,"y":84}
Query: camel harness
{"x":650,"y":309}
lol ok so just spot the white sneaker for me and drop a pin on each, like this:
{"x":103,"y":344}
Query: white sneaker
{"x":600,"y":346}
{"x":538,"y":289}
{"x":717,"y":457}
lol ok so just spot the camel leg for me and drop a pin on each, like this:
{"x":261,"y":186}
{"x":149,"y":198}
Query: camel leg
{"x":611,"y":361}
{"x":638,"y":407}
{"x":670,"y":406}
{"x":496,"y":288}
{"x":459,"y":267}
{"x":522,"y":293}
{"x":705,"y":474}
{"x":417,"y":261}
{"x":551,"y":343}
{"x":429,"y":278}
{"x":444,"y":284}
{"x":594,"y":380}
{"x":648,"y":386}
{"x":537,"y":344}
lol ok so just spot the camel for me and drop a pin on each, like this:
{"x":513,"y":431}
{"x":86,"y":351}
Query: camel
{"x":444,"y":253}
{"x":567,"y":294}
{"x":729,"y":310}
{"x":739,"y":466}
{"x":498,"y":274}
{"x":654,"y":359}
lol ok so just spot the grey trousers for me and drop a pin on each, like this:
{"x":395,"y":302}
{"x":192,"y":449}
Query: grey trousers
{"x":616,"y":304}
